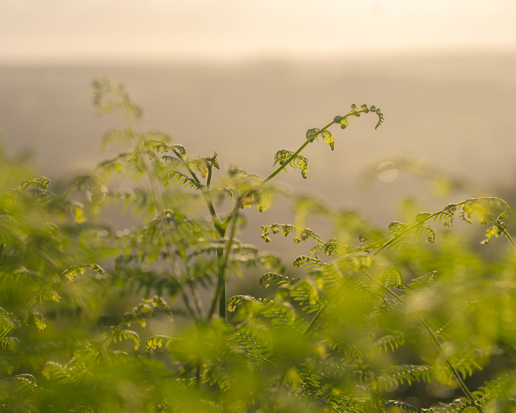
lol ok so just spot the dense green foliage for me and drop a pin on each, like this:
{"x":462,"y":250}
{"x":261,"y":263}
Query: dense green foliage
{"x":411,"y":318}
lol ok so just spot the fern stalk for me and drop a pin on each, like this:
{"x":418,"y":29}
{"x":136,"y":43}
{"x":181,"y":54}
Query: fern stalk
{"x":284,"y":164}
{"x":293,"y":156}
{"x":222,"y":272}
{"x":416,"y":224}
{"x":504,"y":231}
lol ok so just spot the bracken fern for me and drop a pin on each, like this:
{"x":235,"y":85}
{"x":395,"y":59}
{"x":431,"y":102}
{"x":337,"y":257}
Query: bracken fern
{"x":401,"y":319}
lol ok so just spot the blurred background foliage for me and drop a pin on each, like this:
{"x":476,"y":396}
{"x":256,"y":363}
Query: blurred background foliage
{"x":401,"y":317}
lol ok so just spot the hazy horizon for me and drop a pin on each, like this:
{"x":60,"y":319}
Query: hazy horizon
{"x":231,"y":30}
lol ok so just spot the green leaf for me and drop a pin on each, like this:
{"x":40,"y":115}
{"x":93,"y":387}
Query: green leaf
{"x":423,"y":216}
{"x":126,"y":335}
{"x":425,"y":230}
{"x":155,"y":342}
{"x":396,"y":227}
{"x":272,"y":276}
{"x":297,"y":162}
{"x":393,"y":277}
{"x":328,"y":139}
{"x":237,"y":299}
{"x":25,"y":380}
{"x":39,"y":320}
{"x":9,"y":343}
{"x":402,"y":405}
{"x":73,"y":272}
{"x":492,"y":232}
{"x":424,"y":280}
{"x":312,"y":134}
{"x":304,"y":260}
{"x":78,"y":213}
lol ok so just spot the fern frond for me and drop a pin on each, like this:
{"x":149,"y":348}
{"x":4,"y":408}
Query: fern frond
{"x":500,"y":389}
{"x":255,"y":348}
{"x":109,"y":96}
{"x":7,"y":320}
{"x":402,"y":405}
{"x":396,"y":228}
{"x":182,"y":179}
{"x":115,"y":163}
{"x":51,"y":295}
{"x":492,"y":232}
{"x":36,"y":186}
{"x":155,"y":342}
{"x":39,"y":320}
{"x":390,"y":341}
{"x":355,"y":112}
{"x":283,"y":314}
{"x":408,"y":373}
{"x":9,"y":343}
{"x":120,"y":335}
{"x":272,"y":276}
{"x":286,"y":229}
{"x":423,"y":281}
{"x":54,"y":370}
{"x":25,"y":380}
{"x":445,"y":216}
{"x":24,"y":273}
{"x":307,"y":293}
{"x":426,"y":231}
{"x":305,"y":261}
{"x":295,"y":161}
{"x":237,"y":299}
{"x":74,"y":271}
{"x":392,"y":277}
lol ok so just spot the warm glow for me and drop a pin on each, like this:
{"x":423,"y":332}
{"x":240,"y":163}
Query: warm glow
{"x":207,"y":29}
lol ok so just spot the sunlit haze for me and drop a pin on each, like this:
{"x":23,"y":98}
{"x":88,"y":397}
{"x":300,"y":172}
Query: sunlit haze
{"x":82,"y":30}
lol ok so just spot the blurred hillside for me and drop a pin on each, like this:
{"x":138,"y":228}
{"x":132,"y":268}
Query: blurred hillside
{"x":451,"y":111}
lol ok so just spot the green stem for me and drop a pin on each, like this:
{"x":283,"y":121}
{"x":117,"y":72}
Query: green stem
{"x":213,"y":300}
{"x":222,"y":272}
{"x":210,"y":174}
{"x":293,"y":156}
{"x":222,"y":226}
{"x":238,"y":204}
{"x":207,"y":197}
{"x":206,"y":192}
{"x":285,"y":164}
{"x":221,"y":287}
{"x":220,"y":255}
{"x":402,"y":233}
{"x":506,"y":233}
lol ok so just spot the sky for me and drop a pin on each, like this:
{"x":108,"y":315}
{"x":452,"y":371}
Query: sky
{"x":89,"y":30}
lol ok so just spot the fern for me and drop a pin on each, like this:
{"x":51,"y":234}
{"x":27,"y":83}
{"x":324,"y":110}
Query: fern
{"x":368,"y":313}
{"x":398,"y":375}
{"x":390,"y":342}
{"x":405,"y":406}
{"x":285,"y":157}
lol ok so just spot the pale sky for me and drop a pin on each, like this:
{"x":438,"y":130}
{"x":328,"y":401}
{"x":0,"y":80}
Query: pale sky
{"x":84,"y":30}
